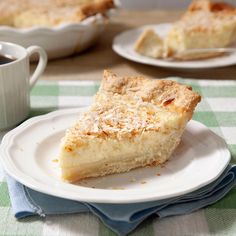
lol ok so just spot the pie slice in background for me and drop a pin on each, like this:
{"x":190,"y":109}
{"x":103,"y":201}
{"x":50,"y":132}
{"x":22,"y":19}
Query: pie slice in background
{"x":206,"y":24}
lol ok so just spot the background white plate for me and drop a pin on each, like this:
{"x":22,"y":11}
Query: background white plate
{"x":59,"y":41}
{"x":28,"y":152}
{"x":123,"y":45}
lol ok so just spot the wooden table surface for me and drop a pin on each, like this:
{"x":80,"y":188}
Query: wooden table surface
{"x":90,"y":64}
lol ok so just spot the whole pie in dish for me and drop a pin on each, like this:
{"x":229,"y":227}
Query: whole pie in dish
{"x":30,"y":13}
{"x":205,"y":24}
{"x":133,"y":122}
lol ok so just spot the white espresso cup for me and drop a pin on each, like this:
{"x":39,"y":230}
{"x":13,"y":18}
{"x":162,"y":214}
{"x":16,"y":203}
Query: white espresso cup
{"x":16,"y":82}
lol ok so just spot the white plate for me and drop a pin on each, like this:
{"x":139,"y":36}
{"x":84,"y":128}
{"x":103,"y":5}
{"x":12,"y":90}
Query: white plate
{"x":123,"y":45}
{"x":28,"y":152}
{"x":69,"y":38}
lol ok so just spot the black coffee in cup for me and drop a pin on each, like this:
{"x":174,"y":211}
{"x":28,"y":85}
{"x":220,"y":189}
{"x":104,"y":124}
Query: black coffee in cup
{"x":4,"y":59}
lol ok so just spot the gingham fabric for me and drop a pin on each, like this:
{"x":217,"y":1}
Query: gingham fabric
{"x":217,"y":111}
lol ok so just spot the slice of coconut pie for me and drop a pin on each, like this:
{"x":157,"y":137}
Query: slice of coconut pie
{"x":133,"y":122}
{"x":206,"y":24}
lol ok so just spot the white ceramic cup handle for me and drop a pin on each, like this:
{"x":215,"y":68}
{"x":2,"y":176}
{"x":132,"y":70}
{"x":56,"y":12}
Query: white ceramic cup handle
{"x":41,"y":64}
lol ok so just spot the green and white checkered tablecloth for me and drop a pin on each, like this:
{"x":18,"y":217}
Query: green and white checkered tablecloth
{"x":217,"y":111}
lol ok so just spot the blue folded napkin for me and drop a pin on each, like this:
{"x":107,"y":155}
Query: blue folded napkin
{"x":121,"y":218}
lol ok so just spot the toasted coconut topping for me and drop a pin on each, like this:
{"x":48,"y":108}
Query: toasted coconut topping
{"x":125,"y":107}
{"x":203,"y":15}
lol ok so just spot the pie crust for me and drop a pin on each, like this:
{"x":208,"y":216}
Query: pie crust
{"x":30,"y":13}
{"x":133,"y":122}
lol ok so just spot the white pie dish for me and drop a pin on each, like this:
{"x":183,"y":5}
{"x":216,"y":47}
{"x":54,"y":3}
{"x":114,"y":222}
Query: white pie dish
{"x":28,"y":151}
{"x":123,"y":45}
{"x":59,"y":41}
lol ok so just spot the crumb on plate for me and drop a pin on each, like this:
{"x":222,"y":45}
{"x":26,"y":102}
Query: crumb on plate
{"x":118,"y":188}
{"x":132,"y":180}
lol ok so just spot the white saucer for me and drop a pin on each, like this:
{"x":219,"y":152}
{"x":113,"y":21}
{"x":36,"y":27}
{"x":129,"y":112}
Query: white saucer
{"x":123,"y":45}
{"x":28,"y":151}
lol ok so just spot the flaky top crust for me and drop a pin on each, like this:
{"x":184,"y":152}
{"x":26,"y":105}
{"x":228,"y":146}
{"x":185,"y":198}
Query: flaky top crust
{"x":206,"y":15}
{"x":214,"y":7}
{"x":128,"y":106}
{"x":177,"y":97}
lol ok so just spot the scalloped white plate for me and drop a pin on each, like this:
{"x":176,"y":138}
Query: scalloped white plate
{"x":60,"y":41}
{"x":123,"y":45}
{"x":28,"y":151}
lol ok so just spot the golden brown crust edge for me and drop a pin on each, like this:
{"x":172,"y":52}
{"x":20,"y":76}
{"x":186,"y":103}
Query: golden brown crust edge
{"x":85,"y":10}
{"x":207,"y":5}
{"x":170,"y":94}
{"x":219,"y":9}
{"x":97,"y":7}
